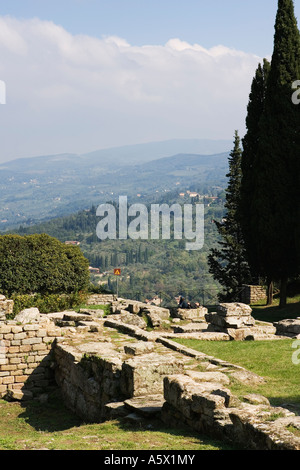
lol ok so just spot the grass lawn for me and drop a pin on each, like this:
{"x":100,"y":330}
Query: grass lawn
{"x":105,"y":308}
{"x":50,"y":426}
{"x":274,"y":313}
{"x":269,"y":359}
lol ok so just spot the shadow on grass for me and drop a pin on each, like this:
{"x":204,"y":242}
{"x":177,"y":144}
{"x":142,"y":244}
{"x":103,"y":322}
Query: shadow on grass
{"x":54,"y":417}
{"x":51,"y":416}
{"x":274,"y":313}
{"x":178,"y":431}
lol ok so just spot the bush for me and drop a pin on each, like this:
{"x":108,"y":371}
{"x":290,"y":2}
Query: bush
{"x":48,"y":303}
{"x":41,"y":264}
{"x":93,"y":289}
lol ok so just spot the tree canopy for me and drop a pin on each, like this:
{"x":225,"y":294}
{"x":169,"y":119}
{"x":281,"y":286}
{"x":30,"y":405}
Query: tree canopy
{"x":228,"y":263}
{"x":273,"y":176}
{"x":40,"y":264}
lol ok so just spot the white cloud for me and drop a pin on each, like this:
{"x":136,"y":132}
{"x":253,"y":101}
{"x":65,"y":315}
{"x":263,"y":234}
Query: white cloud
{"x":77,"y":93}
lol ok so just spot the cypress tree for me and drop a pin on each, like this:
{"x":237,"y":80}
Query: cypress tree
{"x":275,"y":177}
{"x":228,"y":264}
{"x":249,"y":155}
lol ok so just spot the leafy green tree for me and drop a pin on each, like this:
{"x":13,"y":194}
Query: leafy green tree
{"x":275,"y":178}
{"x":41,"y":264}
{"x":228,"y":264}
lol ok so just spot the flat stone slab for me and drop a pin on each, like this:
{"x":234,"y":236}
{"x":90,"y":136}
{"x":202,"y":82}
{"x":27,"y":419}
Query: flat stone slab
{"x":97,"y":348}
{"x":247,"y":377}
{"x":115,"y":410}
{"x":288,"y":327}
{"x":190,"y":314}
{"x":234,"y":309}
{"x":96,"y":313}
{"x":146,"y":406}
{"x":216,"y":377}
{"x":76,"y":317}
{"x":129,"y":319}
{"x":144,"y":375}
{"x":190,"y":328}
{"x":137,"y":349}
{"x":200,"y":335}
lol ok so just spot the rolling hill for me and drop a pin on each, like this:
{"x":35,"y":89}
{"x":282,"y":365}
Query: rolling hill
{"x":40,"y":188}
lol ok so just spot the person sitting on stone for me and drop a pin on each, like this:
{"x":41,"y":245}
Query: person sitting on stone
{"x":183,"y":303}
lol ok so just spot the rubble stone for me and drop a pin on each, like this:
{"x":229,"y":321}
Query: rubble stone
{"x":290,"y":328}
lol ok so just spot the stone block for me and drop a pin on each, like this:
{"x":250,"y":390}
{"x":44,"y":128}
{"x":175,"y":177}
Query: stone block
{"x":190,"y":328}
{"x":6,"y":307}
{"x":192,"y":314}
{"x":162,"y":313}
{"x":288,"y":327}
{"x":28,"y":315}
{"x":138,"y":349}
{"x":235,"y":309}
{"x":18,"y":395}
{"x":129,"y":319}
{"x":154,"y":319}
{"x":214,"y":377}
{"x":144,"y":375}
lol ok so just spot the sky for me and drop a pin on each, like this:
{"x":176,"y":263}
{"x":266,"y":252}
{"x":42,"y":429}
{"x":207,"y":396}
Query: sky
{"x":83,"y":75}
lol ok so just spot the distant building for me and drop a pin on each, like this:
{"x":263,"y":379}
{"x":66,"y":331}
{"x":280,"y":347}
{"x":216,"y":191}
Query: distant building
{"x":155,"y":301}
{"x":72,"y":243}
{"x":94,"y":270}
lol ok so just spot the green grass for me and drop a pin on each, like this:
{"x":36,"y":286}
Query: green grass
{"x":105,"y":308}
{"x":51,"y":426}
{"x":274,"y":313}
{"x":269,"y":359}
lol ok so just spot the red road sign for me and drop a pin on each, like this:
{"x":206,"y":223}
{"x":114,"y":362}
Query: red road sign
{"x":117,"y":272}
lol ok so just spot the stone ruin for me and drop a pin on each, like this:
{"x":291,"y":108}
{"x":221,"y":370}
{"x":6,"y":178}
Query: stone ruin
{"x":116,"y":367}
{"x":6,"y":307}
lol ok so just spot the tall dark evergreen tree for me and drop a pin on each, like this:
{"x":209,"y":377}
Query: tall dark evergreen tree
{"x":276,"y":195}
{"x":228,"y":264}
{"x":249,"y":156}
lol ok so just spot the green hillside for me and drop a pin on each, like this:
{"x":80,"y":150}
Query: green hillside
{"x":149,"y":268}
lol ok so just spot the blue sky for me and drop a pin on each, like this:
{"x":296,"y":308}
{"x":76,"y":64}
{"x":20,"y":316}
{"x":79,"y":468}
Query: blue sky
{"x":246,"y":25}
{"x":82,"y":75}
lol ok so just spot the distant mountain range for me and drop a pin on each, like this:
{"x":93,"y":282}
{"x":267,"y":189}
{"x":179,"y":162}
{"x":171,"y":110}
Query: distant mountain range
{"x":40,"y":188}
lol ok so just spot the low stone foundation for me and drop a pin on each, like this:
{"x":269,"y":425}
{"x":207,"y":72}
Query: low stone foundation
{"x":107,"y":368}
{"x":210,"y":408}
{"x":25,"y":358}
{"x":94,"y":375}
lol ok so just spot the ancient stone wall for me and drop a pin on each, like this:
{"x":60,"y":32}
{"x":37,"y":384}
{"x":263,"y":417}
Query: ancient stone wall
{"x":6,"y":307}
{"x":95,"y":375}
{"x":210,"y":408}
{"x":253,"y":294}
{"x":105,"y":367}
{"x":100,"y":299}
{"x":25,"y":357}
